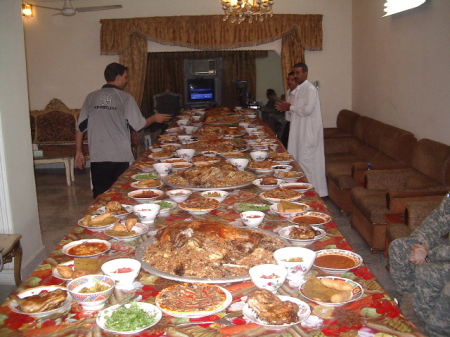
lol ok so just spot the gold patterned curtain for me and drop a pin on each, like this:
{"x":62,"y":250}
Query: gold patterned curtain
{"x":207,"y":32}
{"x":166,"y":71}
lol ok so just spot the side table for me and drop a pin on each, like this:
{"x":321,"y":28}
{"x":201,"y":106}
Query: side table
{"x":12,"y":249}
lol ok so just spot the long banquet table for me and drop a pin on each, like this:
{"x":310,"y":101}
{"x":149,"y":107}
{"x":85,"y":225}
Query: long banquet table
{"x":375,"y":312}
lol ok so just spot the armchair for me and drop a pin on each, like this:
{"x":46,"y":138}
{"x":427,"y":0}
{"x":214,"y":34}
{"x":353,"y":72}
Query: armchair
{"x":388,"y":191}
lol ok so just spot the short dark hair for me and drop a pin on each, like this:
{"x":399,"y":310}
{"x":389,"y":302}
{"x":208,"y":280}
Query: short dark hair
{"x":112,"y":70}
{"x":270,"y":92}
{"x":291,"y":73}
{"x":301,"y":65}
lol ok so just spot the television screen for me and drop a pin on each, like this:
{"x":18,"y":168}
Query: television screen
{"x":200,"y":90}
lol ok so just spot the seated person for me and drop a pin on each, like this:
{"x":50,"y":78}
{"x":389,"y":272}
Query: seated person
{"x":271,"y":115}
{"x":420,"y":267}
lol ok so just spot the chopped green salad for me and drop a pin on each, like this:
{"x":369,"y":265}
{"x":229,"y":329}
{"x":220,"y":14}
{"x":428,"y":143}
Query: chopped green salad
{"x":143,"y":176}
{"x":164,"y":204}
{"x":247,"y":206}
{"x":129,"y":318}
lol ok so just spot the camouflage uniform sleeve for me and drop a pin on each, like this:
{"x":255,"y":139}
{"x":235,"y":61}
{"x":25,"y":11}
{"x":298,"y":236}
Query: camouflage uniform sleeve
{"x":431,"y":231}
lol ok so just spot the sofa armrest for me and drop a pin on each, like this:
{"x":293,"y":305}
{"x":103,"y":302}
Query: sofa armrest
{"x":386,"y":179}
{"x":398,"y":200}
{"x":359,"y":170}
{"x":417,"y":211}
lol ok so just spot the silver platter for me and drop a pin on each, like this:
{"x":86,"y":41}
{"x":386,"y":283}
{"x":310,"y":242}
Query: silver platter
{"x":140,"y":251}
{"x":208,"y":188}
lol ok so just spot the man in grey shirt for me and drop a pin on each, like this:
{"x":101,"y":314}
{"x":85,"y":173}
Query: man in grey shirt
{"x":108,"y":115}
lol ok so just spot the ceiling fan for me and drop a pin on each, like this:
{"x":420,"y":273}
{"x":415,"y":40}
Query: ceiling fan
{"x":69,"y":10}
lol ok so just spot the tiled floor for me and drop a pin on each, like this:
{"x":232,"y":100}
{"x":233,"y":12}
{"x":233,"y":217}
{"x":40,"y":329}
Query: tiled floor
{"x":61,"y":206}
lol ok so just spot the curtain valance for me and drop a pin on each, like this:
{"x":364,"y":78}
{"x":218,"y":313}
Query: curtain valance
{"x":209,"y":31}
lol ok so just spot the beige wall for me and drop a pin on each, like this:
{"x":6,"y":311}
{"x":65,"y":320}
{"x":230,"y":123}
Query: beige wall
{"x":400,"y":67}
{"x":64,"y":61}
{"x":18,"y":205}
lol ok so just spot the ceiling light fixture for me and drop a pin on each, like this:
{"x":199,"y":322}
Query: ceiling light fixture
{"x":239,"y":10}
{"x":397,"y":6}
{"x":27,"y":10}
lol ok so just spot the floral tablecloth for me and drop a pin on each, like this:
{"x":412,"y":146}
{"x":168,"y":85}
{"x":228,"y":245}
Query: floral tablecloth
{"x":374,"y":312}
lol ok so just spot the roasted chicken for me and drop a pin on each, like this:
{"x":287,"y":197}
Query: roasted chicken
{"x":271,"y":309}
{"x":44,"y":301}
{"x":302,"y":232}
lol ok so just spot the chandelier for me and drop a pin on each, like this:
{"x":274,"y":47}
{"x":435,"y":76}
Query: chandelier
{"x":239,"y":10}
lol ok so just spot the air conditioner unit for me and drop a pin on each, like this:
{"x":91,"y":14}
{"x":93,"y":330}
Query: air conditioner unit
{"x":203,"y":67}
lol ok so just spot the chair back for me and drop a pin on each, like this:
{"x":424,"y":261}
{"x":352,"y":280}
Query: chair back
{"x":167,"y":103}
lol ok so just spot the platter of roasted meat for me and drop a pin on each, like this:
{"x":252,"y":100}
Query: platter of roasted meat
{"x":267,"y":309}
{"x":207,"y":251}
{"x":41,"y":301}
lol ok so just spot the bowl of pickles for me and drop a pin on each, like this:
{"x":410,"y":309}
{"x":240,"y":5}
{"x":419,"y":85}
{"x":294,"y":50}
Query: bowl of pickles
{"x":91,"y":291}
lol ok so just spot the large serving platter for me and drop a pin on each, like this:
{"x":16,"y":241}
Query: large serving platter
{"x":140,"y":251}
{"x":164,"y":180}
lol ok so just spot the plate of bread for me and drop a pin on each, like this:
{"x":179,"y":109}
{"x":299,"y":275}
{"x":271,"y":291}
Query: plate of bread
{"x":116,"y":209}
{"x":331,"y":291}
{"x":127,"y":231}
{"x":287,"y":208}
{"x":77,"y":267}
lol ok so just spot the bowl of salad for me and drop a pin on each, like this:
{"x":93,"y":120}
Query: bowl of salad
{"x":116,"y":319}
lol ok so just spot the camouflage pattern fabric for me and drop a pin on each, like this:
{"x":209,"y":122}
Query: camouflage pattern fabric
{"x":430,"y":282}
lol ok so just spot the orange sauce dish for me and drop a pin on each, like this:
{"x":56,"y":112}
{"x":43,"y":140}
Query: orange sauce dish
{"x":335,"y":261}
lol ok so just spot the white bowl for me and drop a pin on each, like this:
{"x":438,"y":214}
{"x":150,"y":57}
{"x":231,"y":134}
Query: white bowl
{"x":252,"y":218}
{"x":259,"y":155}
{"x":189,"y":129}
{"x":156,"y":149}
{"x":282,"y":168}
{"x":152,"y":195}
{"x":257,"y":182}
{"x":243,"y":124}
{"x":251,"y":130}
{"x":344,"y":254}
{"x":223,"y":194}
{"x":268,"y":276}
{"x":147,"y":307}
{"x":186,"y":153}
{"x":184,"y":137}
{"x":183,"y":122}
{"x":91,"y":301}
{"x":296,"y":269}
{"x":240,"y":163}
{"x":122,"y":271}
{"x":162,"y":168}
{"x":146,"y":212}
{"x":196,"y":118}
{"x":179,"y":195}
{"x":167,"y":202}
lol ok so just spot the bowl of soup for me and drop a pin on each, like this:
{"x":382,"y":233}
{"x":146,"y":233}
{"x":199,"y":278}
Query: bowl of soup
{"x":337,"y":261}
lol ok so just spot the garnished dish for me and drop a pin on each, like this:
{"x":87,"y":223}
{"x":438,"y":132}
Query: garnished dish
{"x":143,"y":176}
{"x":337,"y":261}
{"x":287,"y":208}
{"x":117,"y":318}
{"x":209,"y":251}
{"x":221,"y":175}
{"x":76,"y":268}
{"x":279,"y":194}
{"x":261,"y":165}
{"x":86,"y":248}
{"x":311,"y":218}
{"x":289,"y":176}
{"x":331,"y":291}
{"x":41,"y":301}
{"x":218,"y":145}
{"x":97,"y":223}
{"x":270,"y":310}
{"x":302,"y":235}
{"x":164,"y":154}
{"x":166,"y":205}
{"x":146,"y":166}
{"x":250,"y":206}
{"x":200,"y":205}
{"x":116,"y":209}
{"x":267,"y":183}
{"x":193,"y":300}
{"x":128,"y":231}
{"x":147,"y":183}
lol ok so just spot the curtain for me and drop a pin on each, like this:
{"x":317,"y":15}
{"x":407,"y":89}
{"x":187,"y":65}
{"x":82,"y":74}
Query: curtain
{"x":166,"y":71}
{"x":208,"y":32}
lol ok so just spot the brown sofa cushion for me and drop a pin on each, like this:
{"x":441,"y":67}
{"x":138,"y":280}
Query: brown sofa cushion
{"x":372,"y":203}
{"x":396,"y":231}
{"x":55,"y":127}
